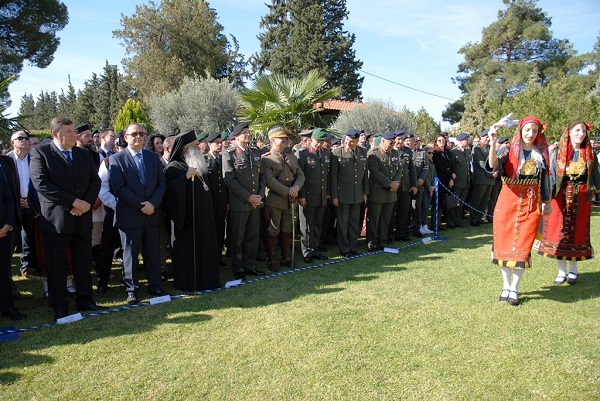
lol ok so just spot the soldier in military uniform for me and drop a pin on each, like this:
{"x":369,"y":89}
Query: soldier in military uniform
{"x":314,"y":162}
{"x":284,"y":178}
{"x":384,"y":181}
{"x":219,"y":191}
{"x":408,"y":187}
{"x":483,"y":180}
{"x":305,"y":139}
{"x":349,"y":187}
{"x":461,"y":160}
{"x":495,"y":192}
{"x":242,"y":176}
{"x":421,"y":169}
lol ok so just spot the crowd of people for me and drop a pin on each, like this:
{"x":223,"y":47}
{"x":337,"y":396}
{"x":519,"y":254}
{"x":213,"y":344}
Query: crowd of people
{"x":79,"y":200}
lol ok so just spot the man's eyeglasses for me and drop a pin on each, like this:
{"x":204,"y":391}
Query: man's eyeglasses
{"x":21,"y":138}
{"x":429,"y":153}
{"x":137,"y":133}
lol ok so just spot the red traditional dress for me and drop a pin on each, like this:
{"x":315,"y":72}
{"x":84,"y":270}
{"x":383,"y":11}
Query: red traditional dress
{"x":566,"y":231}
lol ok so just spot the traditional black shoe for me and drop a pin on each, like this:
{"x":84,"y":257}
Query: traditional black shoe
{"x":560,"y":280}
{"x":93,"y":307}
{"x":132,"y":299}
{"x":59,"y":314}
{"x":308,"y":259}
{"x":13,"y":314}
{"x":286,"y":262}
{"x":502,"y":298}
{"x":255,"y":272}
{"x":239,"y":276}
{"x":450,"y":226}
{"x":404,"y":238}
{"x":572,"y":279}
{"x":475,"y":224}
{"x":158,"y":292}
{"x":513,"y":301}
{"x":321,"y":257}
{"x":102,"y":289}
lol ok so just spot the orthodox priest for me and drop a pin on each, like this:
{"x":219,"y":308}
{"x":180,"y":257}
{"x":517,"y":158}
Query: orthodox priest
{"x":189,"y":205}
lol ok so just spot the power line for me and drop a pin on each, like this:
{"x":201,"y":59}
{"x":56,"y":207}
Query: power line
{"x":405,"y":86}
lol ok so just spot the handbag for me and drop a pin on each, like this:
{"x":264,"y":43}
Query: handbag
{"x":451,"y":201}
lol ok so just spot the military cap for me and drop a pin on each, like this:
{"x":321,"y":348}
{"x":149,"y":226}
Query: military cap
{"x":409,"y":135}
{"x":306,"y":132}
{"x":260,"y":138}
{"x":226,"y":135}
{"x":238,"y":129}
{"x":389,"y":135}
{"x":213,"y":137}
{"x":329,"y":137}
{"x":377,"y":140}
{"x":320,"y":134}
{"x":82,"y":128}
{"x":462,"y":136}
{"x":202,"y":136}
{"x":485,"y":132}
{"x":353,"y":133}
{"x":502,"y":139}
{"x":336,"y":142}
{"x":277,"y":132}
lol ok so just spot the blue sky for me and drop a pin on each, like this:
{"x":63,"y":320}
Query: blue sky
{"x":414,"y":43}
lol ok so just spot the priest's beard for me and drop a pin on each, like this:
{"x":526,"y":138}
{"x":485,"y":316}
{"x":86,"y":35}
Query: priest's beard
{"x":195,"y":159}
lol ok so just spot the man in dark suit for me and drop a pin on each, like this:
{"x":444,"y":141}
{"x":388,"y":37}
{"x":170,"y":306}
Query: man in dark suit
{"x":67,"y":182}
{"x":137,"y":178}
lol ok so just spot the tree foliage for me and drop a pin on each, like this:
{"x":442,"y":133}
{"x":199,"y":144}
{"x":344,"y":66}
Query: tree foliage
{"x":131,"y":112}
{"x":204,"y":104}
{"x":305,"y":35}
{"x":28,"y":32}
{"x":276,"y":99}
{"x":511,"y":47}
{"x":8,"y":124}
{"x":175,"y":39}
{"x":377,"y":116}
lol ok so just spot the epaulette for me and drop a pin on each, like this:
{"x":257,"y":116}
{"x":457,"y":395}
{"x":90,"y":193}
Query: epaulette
{"x":265,"y":154}
{"x":504,"y":153}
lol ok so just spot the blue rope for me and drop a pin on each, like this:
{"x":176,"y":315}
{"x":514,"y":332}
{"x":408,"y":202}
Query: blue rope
{"x":463,"y":202}
{"x":188,"y":295}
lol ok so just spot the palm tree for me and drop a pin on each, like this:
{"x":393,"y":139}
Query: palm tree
{"x":8,"y":124}
{"x":290,"y":102}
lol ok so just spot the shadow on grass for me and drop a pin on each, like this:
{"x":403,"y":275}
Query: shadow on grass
{"x":587,"y":287}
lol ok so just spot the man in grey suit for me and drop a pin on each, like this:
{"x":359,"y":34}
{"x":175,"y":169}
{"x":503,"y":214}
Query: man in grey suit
{"x":137,"y":178}
{"x":67,"y":182}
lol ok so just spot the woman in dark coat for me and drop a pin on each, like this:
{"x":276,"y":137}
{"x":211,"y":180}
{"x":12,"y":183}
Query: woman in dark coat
{"x":442,"y":159}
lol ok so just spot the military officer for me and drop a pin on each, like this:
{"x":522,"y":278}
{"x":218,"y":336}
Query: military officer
{"x":219,"y":190}
{"x":408,"y":187}
{"x":483,"y":181}
{"x":349,"y":187}
{"x":246,"y":184}
{"x":284,"y":179}
{"x":461,"y":159}
{"x":421,"y":168}
{"x":305,"y":139}
{"x":314,"y":162}
{"x":384,"y":180}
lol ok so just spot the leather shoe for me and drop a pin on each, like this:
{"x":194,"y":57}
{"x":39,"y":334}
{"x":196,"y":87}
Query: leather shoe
{"x":322,"y":257}
{"x":308,"y":259}
{"x":475,"y":224}
{"x":19,"y":296}
{"x":322,"y":248}
{"x":572,"y":278}
{"x":93,"y":307}
{"x":353,"y":253}
{"x":13,"y":314}
{"x":239,"y":276}
{"x":102,"y":289}
{"x":59,"y":314}
{"x":255,"y":272}
{"x":132,"y":299}
{"x":158,"y":292}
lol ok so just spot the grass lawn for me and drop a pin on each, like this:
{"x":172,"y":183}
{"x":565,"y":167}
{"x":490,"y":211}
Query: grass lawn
{"x":421,"y":324}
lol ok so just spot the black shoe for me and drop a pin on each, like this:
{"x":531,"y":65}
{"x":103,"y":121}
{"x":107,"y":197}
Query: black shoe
{"x":158,"y":292}
{"x":353,"y":253}
{"x":572,"y":278}
{"x":132,"y":299}
{"x":308,"y":259}
{"x":417,"y":234}
{"x":321,"y":257}
{"x":239,"y":276}
{"x":513,"y":301}
{"x":13,"y":314}
{"x":261,"y":258}
{"x":404,"y":238}
{"x":346,"y":255}
{"x":102,"y":289}
{"x":92,"y":307}
{"x":373,"y":248}
{"x":322,"y":248}
{"x":59,"y":314}
{"x":461,"y":225}
{"x":255,"y":272}
{"x":273,"y":266}
{"x":475,"y":224}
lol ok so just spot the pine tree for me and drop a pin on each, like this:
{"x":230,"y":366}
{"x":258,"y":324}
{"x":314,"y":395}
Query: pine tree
{"x":305,"y":35}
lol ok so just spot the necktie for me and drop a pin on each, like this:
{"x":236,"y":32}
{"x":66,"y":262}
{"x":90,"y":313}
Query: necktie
{"x":68,"y":158}
{"x":353,"y":154}
{"x":140,"y":165}
{"x":109,"y":153}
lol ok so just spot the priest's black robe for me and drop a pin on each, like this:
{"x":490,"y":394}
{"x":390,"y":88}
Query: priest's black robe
{"x":180,"y":209}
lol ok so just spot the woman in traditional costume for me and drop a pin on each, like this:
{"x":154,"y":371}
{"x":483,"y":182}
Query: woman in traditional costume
{"x":566,"y":232}
{"x":524,"y":197}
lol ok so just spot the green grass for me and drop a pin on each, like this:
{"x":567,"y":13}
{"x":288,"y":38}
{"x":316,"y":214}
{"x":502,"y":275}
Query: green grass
{"x":422,"y":324}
